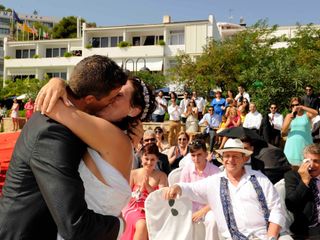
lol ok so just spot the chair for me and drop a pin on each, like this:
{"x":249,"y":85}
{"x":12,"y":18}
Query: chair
{"x":170,"y":220}
{"x":280,"y":187}
{"x":174,"y":176}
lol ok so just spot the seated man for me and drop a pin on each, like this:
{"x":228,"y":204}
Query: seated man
{"x":244,"y":202}
{"x":149,"y":136}
{"x":199,"y":169}
{"x":302,"y":195}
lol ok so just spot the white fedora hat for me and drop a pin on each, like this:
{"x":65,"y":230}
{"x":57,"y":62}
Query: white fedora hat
{"x":234,"y":145}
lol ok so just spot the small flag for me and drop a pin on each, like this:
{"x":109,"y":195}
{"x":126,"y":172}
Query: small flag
{"x":34,"y":31}
{"x":16,"y":17}
{"x":26,"y":28}
{"x":45,"y":34}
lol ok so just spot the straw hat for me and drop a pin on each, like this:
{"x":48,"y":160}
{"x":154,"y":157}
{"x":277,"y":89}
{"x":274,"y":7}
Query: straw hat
{"x":234,"y":145}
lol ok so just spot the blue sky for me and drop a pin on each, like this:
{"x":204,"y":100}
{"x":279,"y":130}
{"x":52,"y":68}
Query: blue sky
{"x":123,"y":12}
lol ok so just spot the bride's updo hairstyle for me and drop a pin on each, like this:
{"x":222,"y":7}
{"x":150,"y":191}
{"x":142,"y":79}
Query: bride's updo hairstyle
{"x":143,"y":98}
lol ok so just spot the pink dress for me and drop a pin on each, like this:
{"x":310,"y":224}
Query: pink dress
{"x":29,"y":109}
{"x":134,"y":211}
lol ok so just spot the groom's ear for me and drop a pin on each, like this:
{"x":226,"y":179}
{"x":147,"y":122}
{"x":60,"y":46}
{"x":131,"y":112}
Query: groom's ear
{"x":89,"y":99}
{"x":134,"y":112}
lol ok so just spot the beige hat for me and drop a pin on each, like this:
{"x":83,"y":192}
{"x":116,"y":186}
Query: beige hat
{"x":234,"y":145}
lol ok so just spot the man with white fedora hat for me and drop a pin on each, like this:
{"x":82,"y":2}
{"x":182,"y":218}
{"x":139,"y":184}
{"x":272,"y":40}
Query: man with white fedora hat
{"x":244,"y":202}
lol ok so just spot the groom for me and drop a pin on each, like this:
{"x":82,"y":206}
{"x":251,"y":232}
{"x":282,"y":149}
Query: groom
{"x":43,"y":193}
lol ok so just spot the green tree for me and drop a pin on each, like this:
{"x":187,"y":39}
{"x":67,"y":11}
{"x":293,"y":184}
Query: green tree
{"x":67,"y":27}
{"x":249,"y":58}
{"x":30,"y":87}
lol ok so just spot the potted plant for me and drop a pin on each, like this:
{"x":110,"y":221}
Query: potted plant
{"x":161,"y":42}
{"x":88,"y":46}
{"x":67,"y":54}
{"x":123,"y":44}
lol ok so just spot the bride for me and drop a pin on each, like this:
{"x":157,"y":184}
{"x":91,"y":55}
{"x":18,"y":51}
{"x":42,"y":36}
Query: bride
{"x":105,"y":169}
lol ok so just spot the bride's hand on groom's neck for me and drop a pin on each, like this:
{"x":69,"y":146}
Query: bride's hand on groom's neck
{"x":50,"y":94}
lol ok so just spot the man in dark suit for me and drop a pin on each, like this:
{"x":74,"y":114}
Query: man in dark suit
{"x":310,"y":99}
{"x":43,"y":192}
{"x":302,"y":195}
{"x":255,"y":163}
{"x":163,"y":165}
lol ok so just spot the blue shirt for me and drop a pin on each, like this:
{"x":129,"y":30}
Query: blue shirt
{"x":217,"y":105}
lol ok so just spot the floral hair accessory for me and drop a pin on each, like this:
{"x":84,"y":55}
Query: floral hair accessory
{"x":146,"y":100}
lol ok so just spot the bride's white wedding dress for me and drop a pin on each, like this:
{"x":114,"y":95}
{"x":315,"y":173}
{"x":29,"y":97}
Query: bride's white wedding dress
{"x":105,"y":199}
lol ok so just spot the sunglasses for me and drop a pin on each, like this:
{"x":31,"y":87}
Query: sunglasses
{"x":149,"y":140}
{"x":308,"y":89}
{"x":182,"y":139}
{"x":273,"y":107}
{"x":294,"y":105}
{"x":196,"y":143}
{"x":174,"y":211}
{"x":158,"y":131}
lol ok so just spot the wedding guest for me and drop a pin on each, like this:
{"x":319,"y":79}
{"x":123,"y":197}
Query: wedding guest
{"x":253,"y":118}
{"x":242,"y":94}
{"x":15,"y":115}
{"x":29,"y":106}
{"x":177,"y":152}
{"x":158,"y":114}
{"x":174,"y":117}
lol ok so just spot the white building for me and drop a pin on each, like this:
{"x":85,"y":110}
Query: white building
{"x":144,"y":50}
{"x":6,"y":24}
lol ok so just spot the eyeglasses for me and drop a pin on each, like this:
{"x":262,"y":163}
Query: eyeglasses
{"x":294,"y":105}
{"x":210,"y":110}
{"x":182,"y":139}
{"x":197,"y":143}
{"x":149,"y":140}
{"x":158,"y":131}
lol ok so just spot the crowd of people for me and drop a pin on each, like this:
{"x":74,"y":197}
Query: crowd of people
{"x":85,"y":164}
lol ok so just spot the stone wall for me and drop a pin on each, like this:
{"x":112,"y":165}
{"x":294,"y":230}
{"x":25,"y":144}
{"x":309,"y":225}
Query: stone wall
{"x":8,"y":126}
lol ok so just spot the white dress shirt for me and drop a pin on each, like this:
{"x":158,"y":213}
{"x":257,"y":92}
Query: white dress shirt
{"x":245,"y":95}
{"x":253,"y":120}
{"x":276,"y":120}
{"x":201,"y":103}
{"x":159,"y":109}
{"x":174,"y":112}
{"x":246,"y":207}
{"x":184,"y":104}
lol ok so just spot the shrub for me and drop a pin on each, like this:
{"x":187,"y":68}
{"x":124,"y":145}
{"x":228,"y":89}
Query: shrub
{"x":7,"y":57}
{"x":36,"y":56}
{"x":67,"y":54}
{"x":161,"y":43}
{"x":123,"y":44}
{"x":88,"y":46}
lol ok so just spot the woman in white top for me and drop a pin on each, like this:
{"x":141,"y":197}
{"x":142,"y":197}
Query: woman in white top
{"x":105,"y":171}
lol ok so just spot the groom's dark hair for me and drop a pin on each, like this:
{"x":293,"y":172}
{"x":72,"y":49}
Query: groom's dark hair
{"x":95,"y":75}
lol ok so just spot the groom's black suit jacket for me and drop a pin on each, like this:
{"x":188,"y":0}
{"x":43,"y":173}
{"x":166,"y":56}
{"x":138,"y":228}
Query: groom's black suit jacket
{"x":43,"y":191}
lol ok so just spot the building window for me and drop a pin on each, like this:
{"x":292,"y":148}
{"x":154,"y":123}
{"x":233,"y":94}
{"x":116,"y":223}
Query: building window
{"x":136,"y":41}
{"x":62,"y":75}
{"x":25,"y":53}
{"x":4,"y":31}
{"x":103,"y":42}
{"x":176,"y":37}
{"x":55,"y":52}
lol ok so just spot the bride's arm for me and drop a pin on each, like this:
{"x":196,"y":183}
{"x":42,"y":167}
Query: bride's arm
{"x":98,"y":133}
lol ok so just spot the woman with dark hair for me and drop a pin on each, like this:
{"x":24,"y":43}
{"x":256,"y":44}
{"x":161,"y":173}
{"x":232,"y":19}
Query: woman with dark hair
{"x":105,"y":170}
{"x":143,"y":181}
{"x":178,"y":151}
{"x":162,"y":144}
{"x":297,"y":125}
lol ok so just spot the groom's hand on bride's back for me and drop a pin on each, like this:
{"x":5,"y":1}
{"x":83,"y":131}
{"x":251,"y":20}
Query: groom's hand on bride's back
{"x":136,"y":133}
{"x":50,"y":93}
